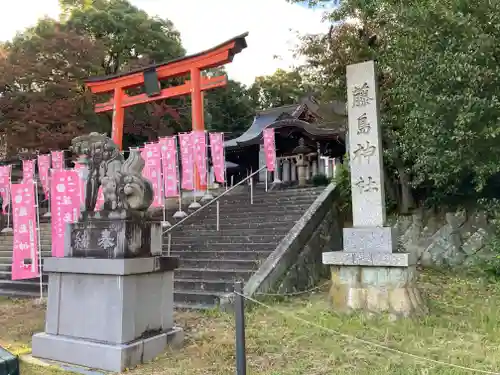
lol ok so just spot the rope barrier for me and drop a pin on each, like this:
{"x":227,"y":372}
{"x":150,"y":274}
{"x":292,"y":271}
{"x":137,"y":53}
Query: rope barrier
{"x":367,"y":342}
{"x":294,"y":294}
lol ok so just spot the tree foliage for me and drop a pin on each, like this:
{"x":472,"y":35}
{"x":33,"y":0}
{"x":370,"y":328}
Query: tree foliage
{"x":278,"y":89}
{"x":438,"y":72}
{"x":132,"y":40}
{"x":42,"y":101}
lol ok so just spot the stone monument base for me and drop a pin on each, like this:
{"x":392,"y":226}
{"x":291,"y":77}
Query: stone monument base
{"x":374,"y":283}
{"x":108,"y":314}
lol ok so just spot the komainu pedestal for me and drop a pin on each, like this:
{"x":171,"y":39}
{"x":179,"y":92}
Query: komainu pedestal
{"x":114,"y":234}
{"x":109,"y":314}
{"x":111,"y":300}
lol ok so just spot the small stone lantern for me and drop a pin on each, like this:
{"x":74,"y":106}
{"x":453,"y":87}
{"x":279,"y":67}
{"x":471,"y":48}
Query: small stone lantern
{"x":301,"y":161}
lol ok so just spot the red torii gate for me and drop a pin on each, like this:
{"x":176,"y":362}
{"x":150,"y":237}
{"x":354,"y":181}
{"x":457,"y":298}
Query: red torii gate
{"x":151,"y":77}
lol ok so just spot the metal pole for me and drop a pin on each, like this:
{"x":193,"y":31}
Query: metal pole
{"x":38,"y":235}
{"x":169,"y":243}
{"x":239,"y":315}
{"x":161,"y":188}
{"x":8,"y":229}
{"x":195,"y":205}
{"x":207,"y":197}
{"x":266,"y":179}
{"x":179,"y":214}
{"x":251,"y":190}
{"x":218,"y":217}
{"x":224,"y":160}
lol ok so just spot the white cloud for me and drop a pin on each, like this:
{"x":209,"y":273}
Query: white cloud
{"x":203,"y":24}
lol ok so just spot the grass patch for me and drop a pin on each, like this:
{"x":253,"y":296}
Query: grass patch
{"x":462,"y":328}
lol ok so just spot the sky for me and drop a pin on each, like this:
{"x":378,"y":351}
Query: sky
{"x":272,"y":27}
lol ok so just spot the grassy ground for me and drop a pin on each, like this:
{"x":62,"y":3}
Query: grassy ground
{"x":462,"y":328}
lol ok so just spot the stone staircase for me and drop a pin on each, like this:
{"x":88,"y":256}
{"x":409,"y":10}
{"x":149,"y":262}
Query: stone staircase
{"x":210,"y":260}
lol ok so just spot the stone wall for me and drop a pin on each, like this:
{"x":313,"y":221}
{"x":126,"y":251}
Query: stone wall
{"x":444,"y":239}
{"x":295,"y":264}
{"x":309,"y":268}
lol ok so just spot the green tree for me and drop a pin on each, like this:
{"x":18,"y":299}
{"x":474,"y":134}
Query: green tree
{"x":132,"y":39}
{"x":228,"y":109}
{"x":439,"y":75}
{"x":43,"y":103}
{"x":278,"y":89}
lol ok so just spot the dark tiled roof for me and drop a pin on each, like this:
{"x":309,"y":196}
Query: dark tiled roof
{"x":262,"y":120}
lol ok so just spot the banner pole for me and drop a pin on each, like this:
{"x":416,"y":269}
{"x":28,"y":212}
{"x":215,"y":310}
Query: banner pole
{"x":49,"y":183}
{"x":161,"y":188}
{"x":195,"y":205}
{"x":8,"y":229}
{"x":179,"y":214}
{"x":39,"y":242}
{"x":224,"y":161}
{"x":207,"y":197}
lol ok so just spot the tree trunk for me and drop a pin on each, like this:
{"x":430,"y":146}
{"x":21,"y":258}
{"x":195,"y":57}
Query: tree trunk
{"x":407,"y":201}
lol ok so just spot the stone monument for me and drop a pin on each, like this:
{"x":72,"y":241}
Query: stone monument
{"x":110,"y":298}
{"x":369,"y":274}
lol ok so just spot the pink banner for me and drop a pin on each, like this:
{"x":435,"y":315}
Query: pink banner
{"x":65,"y":206}
{"x":217,"y":152}
{"x":200,"y":154}
{"x":43,"y":172}
{"x":187,"y":161}
{"x":5,"y":171}
{"x":28,"y":171}
{"x":169,"y":163}
{"x":57,"y":160}
{"x":152,"y":171}
{"x":269,"y":149}
{"x":80,"y":168}
{"x":100,"y":200}
{"x":25,"y":249}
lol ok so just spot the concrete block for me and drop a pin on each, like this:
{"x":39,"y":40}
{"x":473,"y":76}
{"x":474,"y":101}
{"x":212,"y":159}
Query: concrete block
{"x":373,"y":240}
{"x":343,"y":258}
{"x":104,"y":356}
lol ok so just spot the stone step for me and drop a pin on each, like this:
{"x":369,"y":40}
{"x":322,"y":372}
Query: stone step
{"x":220,"y":264}
{"x":6,"y":252}
{"x":235,"y":211}
{"x":23,"y":286}
{"x":218,"y":239}
{"x":249,"y":247}
{"x":280,"y":192}
{"x":179,"y":306}
{"x":225,"y":255}
{"x":241,"y":220}
{"x":259,"y":202}
{"x":234,"y":225}
{"x":204,"y":285}
{"x":19,"y":293}
{"x":212,"y":274}
{"x":197,"y":297}
{"x":282,"y":229}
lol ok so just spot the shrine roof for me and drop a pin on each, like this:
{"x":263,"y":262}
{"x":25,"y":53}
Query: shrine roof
{"x":238,"y":44}
{"x":262,"y":120}
{"x":281,"y":117}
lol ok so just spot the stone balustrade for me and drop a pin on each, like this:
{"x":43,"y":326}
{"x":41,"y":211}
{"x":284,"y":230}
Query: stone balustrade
{"x":286,"y":169}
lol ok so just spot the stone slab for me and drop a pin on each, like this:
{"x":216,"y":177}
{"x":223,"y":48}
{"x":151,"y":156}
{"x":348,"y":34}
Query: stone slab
{"x":109,"y":308}
{"x":103,"y":356}
{"x":372,"y":239}
{"x":365,"y":146}
{"x":343,"y":258}
{"x":122,"y":267}
{"x":113,"y":234}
